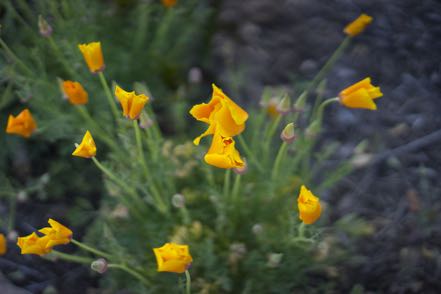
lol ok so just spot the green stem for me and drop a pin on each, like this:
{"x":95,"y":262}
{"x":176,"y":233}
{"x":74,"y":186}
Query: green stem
{"x":329,"y":64}
{"x":14,"y":57}
{"x":321,"y":108}
{"x":69,"y":257}
{"x":236,"y":188}
{"x":60,"y":56}
{"x":269,"y":136}
{"x":279,"y":158}
{"x":91,"y":249}
{"x":249,"y":153}
{"x":301,"y":230}
{"x":129,"y":271}
{"x":109,"y":96}
{"x":227,"y":183}
{"x":187,"y":282}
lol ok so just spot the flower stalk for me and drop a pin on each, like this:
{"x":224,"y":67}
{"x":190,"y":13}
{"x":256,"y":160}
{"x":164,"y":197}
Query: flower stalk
{"x":187,"y":282}
{"x":279,"y":158}
{"x":109,"y":96}
{"x":91,"y":249}
{"x":130,"y":271}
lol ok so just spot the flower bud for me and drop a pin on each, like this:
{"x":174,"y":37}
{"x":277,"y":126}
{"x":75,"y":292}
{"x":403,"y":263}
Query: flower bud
{"x":313,"y":129}
{"x":178,"y":200}
{"x":44,"y":28}
{"x":300,"y":103}
{"x":240,"y":170}
{"x":22,"y":196}
{"x":288,"y":135}
{"x":99,"y":265}
{"x":12,"y":235}
{"x":274,"y":260}
{"x":257,"y":229}
{"x":284,"y":106}
{"x":145,"y":121}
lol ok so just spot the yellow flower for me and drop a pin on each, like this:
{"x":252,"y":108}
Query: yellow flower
{"x":358,"y":26}
{"x":223,"y":115}
{"x":169,"y":3}
{"x":57,"y":233}
{"x":309,"y":206}
{"x":87,"y":148}
{"x":173,"y":258}
{"x":23,"y":125}
{"x":75,"y":92}
{"x":3,"y":244}
{"x":222,"y":153}
{"x":131,"y":103}
{"x":33,"y":244}
{"x":360,"y":95}
{"x":93,"y":56}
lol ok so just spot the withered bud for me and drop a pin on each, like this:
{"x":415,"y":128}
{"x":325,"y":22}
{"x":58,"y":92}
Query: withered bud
{"x":284,"y":107}
{"x":178,"y":200}
{"x":288,"y":135}
{"x":44,"y":27}
{"x":241,"y":169}
{"x":145,"y":121}
{"x":99,"y":265}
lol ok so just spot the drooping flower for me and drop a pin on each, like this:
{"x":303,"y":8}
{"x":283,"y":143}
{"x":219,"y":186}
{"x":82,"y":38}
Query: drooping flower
{"x":56,"y":233}
{"x":33,"y":244}
{"x":358,"y":25}
{"x":23,"y":124}
{"x":360,"y":95}
{"x":3,"y":245}
{"x":222,"y":153}
{"x":75,"y":93}
{"x":87,"y":148}
{"x":169,"y":3}
{"x":173,"y":258}
{"x":131,"y":103}
{"x":309,"y":206}
{"x":93,"y":56}
{"x":224,"y":117}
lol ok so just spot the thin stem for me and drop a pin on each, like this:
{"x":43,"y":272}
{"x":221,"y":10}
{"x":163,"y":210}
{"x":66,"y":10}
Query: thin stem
{"x":236,"y":188}
{"x":60,"y":56}
{"x":329,"y":64}
{"x":269,"y":136}
{"x":129,"y":271}
{"x":14,"y":57}
{"x":279,"y":158}
{"x":227,"y":183}
{"x":249,"y":153}
{"x":91,"y":249}
{"x":301,"y":230}
{"x":109,"y":96}
{"x":321,"y":108}
{"x":73,"y":258}
{"x":187,"y":282}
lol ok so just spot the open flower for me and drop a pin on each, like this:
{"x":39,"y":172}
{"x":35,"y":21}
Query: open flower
{"x":169,"y":3}
{"x":360,"y":95}
{"x":131,"y":103}
{"x":33,"y":244}
{"x":309,"y":206}
{"x":87,"y":148}
{"x":3,"y":244}
{"x":75,"y":93}
{"x":23,"y":124}
{"x":93,"y":56}
{"x":222,"y":153}
{"x":173,"y":258}
{"x":56,"y":233}
{"x":358,"y":26}
{"x":223,"y":115}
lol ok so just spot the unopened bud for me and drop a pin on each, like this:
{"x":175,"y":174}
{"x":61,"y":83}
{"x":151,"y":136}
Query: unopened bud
{"x":22,"y":196}
{"x":284,"y":106}
{"x":12,"y":235}
{"x":45,"y":179}
{"x":274,"y":259}
{"x":145,"y":121}
{"x":178,"y":200}
{"x":241,"y":169}
{"x":44,"y":27}
{"x":257,"y":229}
{"x":99,"y":265}
{"x":300,"y":103}
{"x":313,"y":129}
{"x":288,"y":134}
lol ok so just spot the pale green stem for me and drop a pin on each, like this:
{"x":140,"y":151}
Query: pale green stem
{"x":187,"y":282}
{"x":236,"y":188}
{"x":91,"y":249}
{"x":322,"y":106}
{"x":249,"y":153}
{"x":129,"y":271}
{"x":14,"y":57}
{"x":73,"y":258}
{"x":227,"y":183}
{"x":301,"y":230}
{"x":329,"y":64}
{"x":269,"y":136}
{"x":109,"y":96}
{"x":279,"y":159}
{"x":60,"y":56}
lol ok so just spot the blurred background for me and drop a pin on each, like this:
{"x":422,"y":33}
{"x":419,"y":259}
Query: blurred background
{"x":392,"y":197}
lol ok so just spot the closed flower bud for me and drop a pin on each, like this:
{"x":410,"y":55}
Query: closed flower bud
{"x":99,"y":265}
{"x":300,"y":103}
{"x":178,"y":200}
{"x":44,"y":28}
{"x":358,"y":26}
{"x":145,"y":121}
{"x":257,"y":229}
{"x":313,"y":129}
{"x":274,"y":259}
{"x":284,"y":106}
{"x":12,"y":235}
{"x":3,"y":244}
{"x":22,"y":196}
{"x":288,"y":135}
